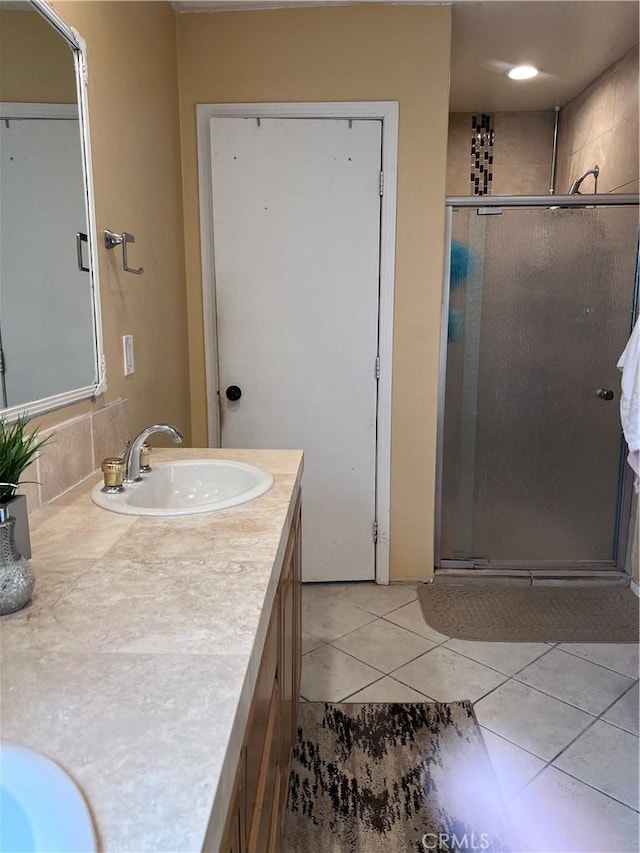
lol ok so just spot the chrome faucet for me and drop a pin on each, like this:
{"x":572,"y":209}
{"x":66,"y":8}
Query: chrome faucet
{"x":132,"y":453}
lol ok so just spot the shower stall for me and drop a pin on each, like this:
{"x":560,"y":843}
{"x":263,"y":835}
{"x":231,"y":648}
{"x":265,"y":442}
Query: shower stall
{"x":540,"y":296}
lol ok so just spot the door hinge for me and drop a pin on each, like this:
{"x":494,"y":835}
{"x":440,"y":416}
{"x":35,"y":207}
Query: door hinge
{"x":375,"y":532}
{"x":2,"y":366}
{"x":381,"y":183}
{"x":377,"y":367}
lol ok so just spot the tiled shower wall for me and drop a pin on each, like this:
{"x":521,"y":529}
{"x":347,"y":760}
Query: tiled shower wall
{"x":600,"y":126}
{"x":517,"y":145}
{"x":75,"y":451}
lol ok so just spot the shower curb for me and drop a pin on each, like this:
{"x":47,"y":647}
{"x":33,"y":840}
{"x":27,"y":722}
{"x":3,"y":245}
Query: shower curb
{"x":534,"y":577}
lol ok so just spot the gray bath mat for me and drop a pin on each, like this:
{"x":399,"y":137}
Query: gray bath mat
{"x":392,"y":778}
{"x":530,"y":614}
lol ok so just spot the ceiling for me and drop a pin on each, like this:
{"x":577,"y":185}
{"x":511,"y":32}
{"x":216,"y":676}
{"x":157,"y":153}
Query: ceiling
{"x":570,"y":41}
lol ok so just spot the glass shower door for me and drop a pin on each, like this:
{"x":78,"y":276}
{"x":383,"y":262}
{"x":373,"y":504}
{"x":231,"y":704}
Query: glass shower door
{"x":540,"y":311}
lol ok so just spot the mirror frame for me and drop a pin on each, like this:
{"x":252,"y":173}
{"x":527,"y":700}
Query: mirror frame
{"x":57,"y":401}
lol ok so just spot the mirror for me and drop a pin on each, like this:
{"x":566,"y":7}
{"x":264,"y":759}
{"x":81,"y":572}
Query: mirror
{"x":50,"y":331}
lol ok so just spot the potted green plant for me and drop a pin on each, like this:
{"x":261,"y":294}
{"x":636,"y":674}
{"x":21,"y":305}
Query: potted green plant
{"x":18,"y":449}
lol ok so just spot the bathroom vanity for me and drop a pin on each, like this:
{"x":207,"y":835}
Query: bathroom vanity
{"x":158,"y":663}
{"x":259,"y":795}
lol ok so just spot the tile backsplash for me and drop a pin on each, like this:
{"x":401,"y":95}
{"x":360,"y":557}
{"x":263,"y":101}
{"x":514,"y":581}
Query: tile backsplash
{"x":76,"y":450}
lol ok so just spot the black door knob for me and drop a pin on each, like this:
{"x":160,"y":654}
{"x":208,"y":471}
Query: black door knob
{"x":604,"y":394}
{"x":233,"y":393}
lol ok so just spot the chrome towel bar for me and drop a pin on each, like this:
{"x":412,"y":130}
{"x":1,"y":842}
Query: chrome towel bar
{"x":111,"y":240}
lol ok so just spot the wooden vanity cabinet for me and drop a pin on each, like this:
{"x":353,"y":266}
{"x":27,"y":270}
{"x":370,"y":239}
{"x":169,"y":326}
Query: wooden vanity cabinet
{"x":255,"y":817}
{"x":235,"y":832}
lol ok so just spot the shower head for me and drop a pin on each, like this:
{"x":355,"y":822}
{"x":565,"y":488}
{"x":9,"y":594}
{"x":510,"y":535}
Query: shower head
{"x":574,"y":188}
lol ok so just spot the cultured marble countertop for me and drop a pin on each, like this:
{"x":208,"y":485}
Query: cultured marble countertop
{"x":134,"y":665}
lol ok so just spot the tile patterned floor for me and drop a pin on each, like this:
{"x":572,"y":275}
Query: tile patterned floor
{"x":560,"y":721}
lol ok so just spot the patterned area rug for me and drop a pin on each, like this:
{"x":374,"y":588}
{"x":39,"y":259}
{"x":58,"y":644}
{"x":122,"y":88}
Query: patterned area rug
{"x":393,"y":778}
{"x":531,"y":614}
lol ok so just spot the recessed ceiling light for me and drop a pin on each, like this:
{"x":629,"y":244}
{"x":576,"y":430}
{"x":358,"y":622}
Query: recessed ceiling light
{"x":522,"y":72}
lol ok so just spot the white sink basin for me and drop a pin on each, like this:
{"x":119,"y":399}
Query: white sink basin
{"x":187,"y":488}
{"x":41,"y":809}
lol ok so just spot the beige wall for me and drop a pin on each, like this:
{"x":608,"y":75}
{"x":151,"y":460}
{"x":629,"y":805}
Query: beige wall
{"x":342,"y":54}
{"x":36,"y":65}
{"x":133,"y":111}
{"x":601,"y":126}
{"x":521,"y":153}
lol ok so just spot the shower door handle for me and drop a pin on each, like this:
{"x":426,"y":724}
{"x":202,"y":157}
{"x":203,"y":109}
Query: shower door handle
{"x":604,"y":394}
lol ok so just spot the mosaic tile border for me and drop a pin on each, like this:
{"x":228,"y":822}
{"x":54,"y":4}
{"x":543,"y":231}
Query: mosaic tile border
{"x":482,"y":141}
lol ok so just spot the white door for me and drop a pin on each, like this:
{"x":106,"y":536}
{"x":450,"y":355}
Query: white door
{"x":296,"y":229}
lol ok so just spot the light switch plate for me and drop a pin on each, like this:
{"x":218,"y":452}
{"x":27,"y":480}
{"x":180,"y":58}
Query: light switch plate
{"x":127,"y":350}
